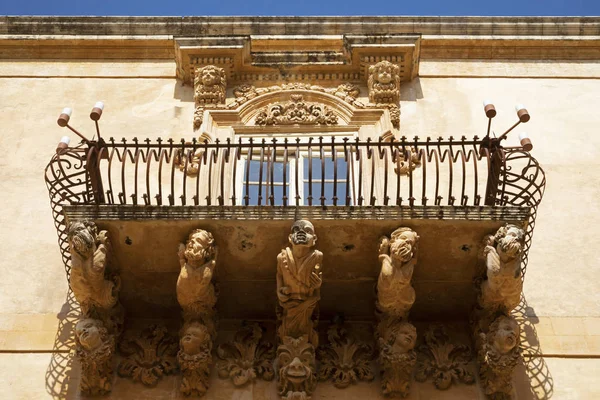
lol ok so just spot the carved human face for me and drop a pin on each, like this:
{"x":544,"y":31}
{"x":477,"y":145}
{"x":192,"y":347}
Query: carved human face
{"x":195,"y":339}
{"x":296,"y":359}
{"x":405,"y":338}
{"x":505,"y":337}
{"x":303,"y":234}
{"x":82,"y":236}
{"x":210,"y":76}
{"x":402,"y":245}
{"x":384,"y":74}
{"x":511,"y":245}
{"x":88,"y":333}
{"x":200,"y":246}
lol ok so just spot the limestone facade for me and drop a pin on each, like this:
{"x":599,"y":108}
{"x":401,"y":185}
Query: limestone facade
{"x":183,"y":311}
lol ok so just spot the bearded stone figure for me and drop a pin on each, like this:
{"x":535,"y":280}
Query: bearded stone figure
{"x":398,"y":257}
{"x":397,"y":358}
{"x":94,"y":349}
{"x":297,"y":368}
{"x":194,"y":358}
{"x":384,"y":83}
{"x":209,"y":85}
{"x":299,"y":283}
{"x":195,"y":290}
{"x":498,"y":355}
{"x":501,"y":291}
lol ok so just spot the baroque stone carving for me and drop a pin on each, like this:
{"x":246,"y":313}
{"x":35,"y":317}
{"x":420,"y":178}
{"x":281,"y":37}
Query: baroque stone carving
{"x":297,"y":368}
{"x":384,"y":83}
{"x":345,"y":360}
{"x":94,"y":278}
{"x":247,"y":357}
{"x":194,"y":358}
{"x":398,"y":257}
{"x":498,"y":355}
{"x":299,"y":284}
{"x":446,"y":362}
{"x":94,"y":349}
{"x":196,"y":296}
{"x":397,"y":358}
{"x":501,"y":290}
{"x":210,"y":83}
{"x":297,"y":111}
{"x":149,"y":355}
{"x":403,"y":166}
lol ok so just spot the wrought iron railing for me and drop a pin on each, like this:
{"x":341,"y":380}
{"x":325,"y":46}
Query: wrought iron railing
{"x":294,"y":172}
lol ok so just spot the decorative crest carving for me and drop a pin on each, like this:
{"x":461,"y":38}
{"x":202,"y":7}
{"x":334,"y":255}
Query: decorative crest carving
{"x":345,"y":359}
{"x":297,"y":368}
{"x":444,"y":361}
{"x":296,"y":112}
{"x":384,"y":83}
{"x":94,"y":349}
{"x":149,"y":355}
{"x":247,"y":357}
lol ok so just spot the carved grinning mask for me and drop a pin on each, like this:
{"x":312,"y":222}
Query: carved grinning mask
{"x":210,"y":76}
{"x":200,"y":246}
{"x":88,"y":333}
{"x":505,"y":332}
{"x":296,"y":359}
{"x":82,"y":235}
{"x":403,"y":244}
{"x":303,"y":234}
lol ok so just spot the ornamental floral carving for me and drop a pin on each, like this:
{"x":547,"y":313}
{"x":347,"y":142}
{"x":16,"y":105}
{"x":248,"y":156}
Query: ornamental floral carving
{"x":397,"y":358}
{"x":94,"y":349}
{"x":297,"y":368}
{"x":384,"y":83}
{"x":247,"y":357}
{"x":149,"y":355}
{"x":345,"y":360}
{"x":498,"y":355}
{"x":442,"y":360}
{"x":296,"y":112}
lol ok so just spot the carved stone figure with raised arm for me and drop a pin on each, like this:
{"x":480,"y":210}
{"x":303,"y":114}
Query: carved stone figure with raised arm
{"x":197,"y":297}
{"x":94,"y":349}
{"x":299,"y":283}
{"x":501,"y":291}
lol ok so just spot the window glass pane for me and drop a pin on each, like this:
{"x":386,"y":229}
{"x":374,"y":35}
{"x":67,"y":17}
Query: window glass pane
{"x":254,"y":170}
{"x":278,"y":199}
{"x":266,"y":173}
{"x":278,"y":172}
{"x":252,"y":193}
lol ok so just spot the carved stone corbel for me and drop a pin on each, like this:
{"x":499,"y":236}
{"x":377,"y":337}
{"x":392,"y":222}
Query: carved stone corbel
{"x":496,"y":333}
{"x":210,"y":84}
{"x":298,"y":292}
{"x":395,"y":296}
{"x":247,"y":357}
{"x":197,"y":297}
{"x":95,"y":284}
{"x":345,"y":359}
{"x":384,"y":83}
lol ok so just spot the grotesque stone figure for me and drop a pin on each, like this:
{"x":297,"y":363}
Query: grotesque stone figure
{"x":297,"y":367}
{"x":94,"y":284}
{"x":195,"y":358}
{"x":498,"y":356}
{"x":397,"y":358}
{"x":195,"y":290}
{"x":298,"y":283}
{"x":398,"y":257}
{"x":384,"y":83}
{"x":209,"y":85}
{"x":94,"y":349}
{"x":501,"y":291}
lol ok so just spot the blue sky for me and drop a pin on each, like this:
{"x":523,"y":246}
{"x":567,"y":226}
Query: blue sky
{"x":300,"y":7}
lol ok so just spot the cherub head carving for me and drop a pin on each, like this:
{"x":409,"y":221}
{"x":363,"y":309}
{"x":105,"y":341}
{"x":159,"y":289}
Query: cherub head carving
{"x":303,"y":234}
{"x":400,"y":338}
{"x":195,"y":339}
{"x":90,"y":334}
{"x":297,"y":365}
{"x":209,"y":85}
{"x":384,"y":82}
{"x":503,"y":335}
{"x":403,"y":244}
{"x":200,"y":247}
{"x":509,"y":241}
{"x":82,"y":237}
